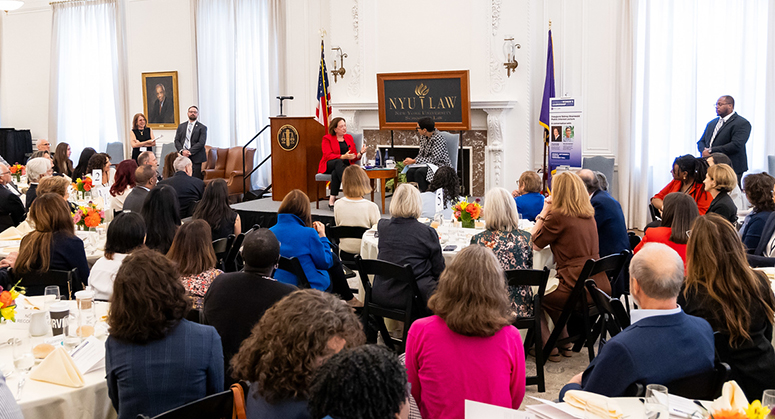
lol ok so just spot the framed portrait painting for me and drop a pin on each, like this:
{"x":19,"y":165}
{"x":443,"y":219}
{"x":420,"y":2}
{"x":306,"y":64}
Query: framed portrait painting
{"x":160,"y":99}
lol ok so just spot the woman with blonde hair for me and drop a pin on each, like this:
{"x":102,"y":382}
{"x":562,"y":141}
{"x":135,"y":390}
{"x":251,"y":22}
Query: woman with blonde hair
{"x":290,"y":342}
{"x":193,"y":252}
{"x":567,"y":224}
{"x":719,"y":181}
{"x":509,"y":244}
{"x":737,"y":301}
{"x":468,"y":349}
{"x":353,"y":210}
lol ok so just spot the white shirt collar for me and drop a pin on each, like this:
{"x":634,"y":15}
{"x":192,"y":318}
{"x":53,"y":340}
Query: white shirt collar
{"x":643,"y":313}
{"x":726,"y":118}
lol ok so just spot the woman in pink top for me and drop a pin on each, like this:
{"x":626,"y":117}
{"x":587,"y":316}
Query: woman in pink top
{"x":468,"y":350}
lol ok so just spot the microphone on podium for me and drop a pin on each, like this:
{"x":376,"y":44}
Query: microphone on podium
{"x":282,"y":98}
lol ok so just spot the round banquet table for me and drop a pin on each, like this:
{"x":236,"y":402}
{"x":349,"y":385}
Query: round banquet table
{"x":93,"y":252}
{"x":45,"y":400}
{"x":631,"y":407}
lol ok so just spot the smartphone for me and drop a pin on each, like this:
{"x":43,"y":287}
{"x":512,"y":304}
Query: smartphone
{"x":450,"y":248}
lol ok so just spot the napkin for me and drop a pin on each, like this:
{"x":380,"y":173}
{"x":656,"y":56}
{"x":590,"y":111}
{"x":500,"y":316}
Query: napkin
{"x":599,"y":405}
{"x":11,"y":233}
{"x":732,"y":397}
{"x":58,"y":368}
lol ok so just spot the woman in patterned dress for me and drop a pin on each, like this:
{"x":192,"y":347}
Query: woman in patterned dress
{"x":192,"y":250}
{"x":510,"y":244}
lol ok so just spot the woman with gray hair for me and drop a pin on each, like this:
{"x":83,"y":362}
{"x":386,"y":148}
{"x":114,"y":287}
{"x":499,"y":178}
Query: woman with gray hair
{"x":510,"y":244}
{"x":37,"y":169}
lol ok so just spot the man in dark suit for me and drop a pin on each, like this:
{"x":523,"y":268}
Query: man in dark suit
{"x":145,"y":177}
{"x":611,"y":229}
{"x":190,"y":140}
{"x":11,"y":207}
{"x":163,"y":110}
{"x":189,"y":188}
{"x":662,"y":344}
{"x":236,"y":301}
{"x":727,"y":134}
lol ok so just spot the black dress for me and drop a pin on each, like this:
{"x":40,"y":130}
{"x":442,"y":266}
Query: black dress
{"x":226,"y":227}
{"x":141,"y":136}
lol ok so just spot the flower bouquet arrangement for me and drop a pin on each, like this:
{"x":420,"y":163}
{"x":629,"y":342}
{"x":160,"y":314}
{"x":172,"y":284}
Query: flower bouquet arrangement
{"x":8,"y":303}
{"x":81,"y":186}
{"x":88,"y":216}
{"x":17,"y":170}
{"x":467,"y":212}
{"x":755,"y":410}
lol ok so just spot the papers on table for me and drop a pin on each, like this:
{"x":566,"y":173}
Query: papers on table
{"x":89,"y":355}
{"x":476,"y":410}
{"x":11,"y":233}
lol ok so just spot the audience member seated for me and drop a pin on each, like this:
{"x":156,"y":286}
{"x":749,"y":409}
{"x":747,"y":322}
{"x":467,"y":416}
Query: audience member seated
{"x":192,"y":250}
{"x":215,"y":210}
{"x":123,"y":185}
{"x":293,"y":338}
{"x":236,"y":301}
{"x":53,"y":244}
{"x":528,"y":196}
{"x":737,"y":196}
{"x":678,"y":215}
{"x":602,"y":181}
{"x":145,"y":180}
{"x":567,"y":224}
{"x":125,"y":234}
{"x":169,"y":164}
{"x":101,"y":162}
{"x":468,"y":350}
{"x":301,"y":238}
{"x":43,"y":145}
{"x":609,"y":218}
{"x":445,"y":182}
{"x":59,"y":185}
{"x":510,"y":244}
{"x":162,"y":218}
{"x":353,"y":210}
{"x":9,"y":409}
{"x":404,"y":240}
{"x":62,"y":163}
{"x":368,"y":382}
{"x":155,"y":359}
{"x":720,"y":180}
{"x":758,"y":190}
{"x":688,"y":174}
{"x":45,"y":154}
{"x":189,"y":189}
{"x":736,"y":300}
{"x":37,"y":169}
{"x":662,"y":344}
{"x":83,"y":163}
{"x":11,"y":207}
{"x":149,"y":158}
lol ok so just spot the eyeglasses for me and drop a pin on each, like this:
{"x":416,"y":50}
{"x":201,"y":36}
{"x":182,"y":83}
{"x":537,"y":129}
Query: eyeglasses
{"x":417,"y":128}
{"x":718,"y":105}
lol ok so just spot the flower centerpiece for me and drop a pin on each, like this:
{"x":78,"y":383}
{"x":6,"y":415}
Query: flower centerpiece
{"x":755,"y":410}
{"x":88,"y":216}
{"x":82,"y":186}
{"x":17,"y":170}
{"x":8,"y":303}
{"x":467,"y":212}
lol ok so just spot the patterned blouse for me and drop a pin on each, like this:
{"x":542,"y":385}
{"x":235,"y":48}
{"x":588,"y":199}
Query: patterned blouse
{"x":512,"y":248}
{"x":433,"y":150}
{"x":196,"y":285}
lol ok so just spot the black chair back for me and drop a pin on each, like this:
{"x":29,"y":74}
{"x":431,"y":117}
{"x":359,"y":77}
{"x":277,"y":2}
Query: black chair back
{"x":221,"y":248}
{"x":412,"y":306}
{"x":532,"y":278}
{"x":293,"y":266}
{"x":36,"y":282}
{"x":219,"y":405}
{"x":336,"y":233}
{"x":634,"y":240}
{"x":704,"y":386}
{"x":230,"y":261}
{"x":655,"y":215}
{"x":195,"y":316}
{"x":613,"y":317}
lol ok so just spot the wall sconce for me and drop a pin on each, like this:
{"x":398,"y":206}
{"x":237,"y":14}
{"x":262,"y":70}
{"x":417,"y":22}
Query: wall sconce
{"x":339,"y":71}
{"x":509,"y":50}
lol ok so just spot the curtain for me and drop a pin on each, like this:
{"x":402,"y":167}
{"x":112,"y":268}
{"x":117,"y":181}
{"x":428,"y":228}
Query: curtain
{"x":237,"y":47}
{"x":687,"y":55}
{"x":88,"y":75}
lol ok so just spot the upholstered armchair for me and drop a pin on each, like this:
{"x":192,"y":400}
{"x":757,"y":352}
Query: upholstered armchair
{"x":226,"y":164}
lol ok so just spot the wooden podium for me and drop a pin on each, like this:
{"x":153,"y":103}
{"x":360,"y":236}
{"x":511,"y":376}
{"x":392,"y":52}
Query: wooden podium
{"x":296,"y":154}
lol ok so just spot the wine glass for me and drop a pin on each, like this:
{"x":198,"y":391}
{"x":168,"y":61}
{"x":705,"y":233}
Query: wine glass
{"x":768,"y":399}
{"x":23,"y":361}
{"x":656,"y":402}
{"x":51,"y":295}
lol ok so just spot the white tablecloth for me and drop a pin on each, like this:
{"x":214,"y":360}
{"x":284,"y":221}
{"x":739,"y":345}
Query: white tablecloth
{"x":44,"y":400}
{"x":93,"y":253}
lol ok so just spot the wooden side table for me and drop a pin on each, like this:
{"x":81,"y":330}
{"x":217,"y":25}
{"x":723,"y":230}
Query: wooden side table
{"x":384,"y":175}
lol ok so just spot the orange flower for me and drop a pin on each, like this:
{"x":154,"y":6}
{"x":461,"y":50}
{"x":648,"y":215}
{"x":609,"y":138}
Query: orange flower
{"x":93,"y":219}
{"x":5,"y":299}
{"x":87,"y":187}
{"x":474,"y":210}
{"x":728,"y":414}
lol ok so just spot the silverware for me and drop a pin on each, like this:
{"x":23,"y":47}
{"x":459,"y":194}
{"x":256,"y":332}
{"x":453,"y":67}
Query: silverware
{"x":22,"y":381}
{"x":8,"y":342}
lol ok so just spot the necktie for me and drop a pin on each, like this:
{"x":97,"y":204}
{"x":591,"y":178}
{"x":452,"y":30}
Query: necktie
{"x":715,"y":131}
{"x":187,"y":144}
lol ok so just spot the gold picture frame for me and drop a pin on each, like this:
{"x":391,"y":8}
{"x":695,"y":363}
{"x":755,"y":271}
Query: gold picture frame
{"x":161,"y":112}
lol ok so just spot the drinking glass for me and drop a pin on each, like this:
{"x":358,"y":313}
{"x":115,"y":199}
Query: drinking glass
{"x":23,"y":360}
{"x":51,"y":295}
{"x":768,"y":399}
{"x":656,"y":403}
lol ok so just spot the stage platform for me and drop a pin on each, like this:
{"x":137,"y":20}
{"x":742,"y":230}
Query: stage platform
{"x":264,"y":212}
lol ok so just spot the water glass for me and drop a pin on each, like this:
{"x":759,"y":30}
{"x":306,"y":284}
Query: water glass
{"x":51,"y":295}
{"x":768,"y":399}
{"x":23,"y":360}
{"x":656,"y":402}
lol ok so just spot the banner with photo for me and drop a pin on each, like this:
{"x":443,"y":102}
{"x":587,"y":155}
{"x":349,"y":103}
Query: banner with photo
{"x":566,"y":133}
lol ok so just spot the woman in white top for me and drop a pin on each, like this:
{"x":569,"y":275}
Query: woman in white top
{"x":353,"y":210}
{"x":445,"y":182}
{"x":125,"y":234}
{"x":124,"y":182}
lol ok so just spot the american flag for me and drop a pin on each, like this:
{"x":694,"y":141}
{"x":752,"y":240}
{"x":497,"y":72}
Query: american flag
{"x":323,"y":109}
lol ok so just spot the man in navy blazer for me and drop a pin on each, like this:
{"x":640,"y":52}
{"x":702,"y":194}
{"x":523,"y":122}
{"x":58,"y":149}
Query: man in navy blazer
{"x":662,"y":344}
{"x":190,"y":140}
{"x":188,"y":188}
{"x":11,"y":207}
{"x":727,"y":134}
{"x":611,"y":229}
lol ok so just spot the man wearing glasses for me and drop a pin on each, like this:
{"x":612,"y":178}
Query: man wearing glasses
{"x":433,"y":154}
{"x":727,"y":134}
{"x":11,"y":207}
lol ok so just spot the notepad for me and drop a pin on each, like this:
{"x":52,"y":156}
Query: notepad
{"x":89,"y":355}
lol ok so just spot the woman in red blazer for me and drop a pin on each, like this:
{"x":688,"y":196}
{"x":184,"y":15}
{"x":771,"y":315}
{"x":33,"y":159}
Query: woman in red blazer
{"x":338,"y":153}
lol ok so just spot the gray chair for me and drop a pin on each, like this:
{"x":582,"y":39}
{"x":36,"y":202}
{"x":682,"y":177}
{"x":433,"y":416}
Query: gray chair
{"x":322,"y":177}
{"x":358,"y":139}
{"x":166,"y":148}
{"x":453,"y":144}
{"x":116,"y":152}
{"x":770,"y":164}
{"x":604,"y":165}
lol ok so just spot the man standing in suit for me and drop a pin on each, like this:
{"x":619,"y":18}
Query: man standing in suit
{"x":189,"y":188}
{"x":11,"y":207}
{"x":727,"y":134}
{"x":611,"y":229}
{"x":190,"y":141}
{"x":662,"y":344}
{"x":145,"y":178}
{"x":162,"y":111}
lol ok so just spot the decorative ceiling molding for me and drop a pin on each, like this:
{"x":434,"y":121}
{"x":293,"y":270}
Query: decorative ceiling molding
{"x":354,"y":82}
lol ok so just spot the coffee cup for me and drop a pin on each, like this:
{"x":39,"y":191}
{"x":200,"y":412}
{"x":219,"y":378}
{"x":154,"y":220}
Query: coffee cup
{"x":60,"y":313}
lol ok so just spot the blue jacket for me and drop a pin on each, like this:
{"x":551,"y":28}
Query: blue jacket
{"x":302,"y":242}
{"x":611,"y":229}
{"x":653,"y":350}
{"x":751,"y":231}
{"x":529,"y":205}
{"x":758,"y":258}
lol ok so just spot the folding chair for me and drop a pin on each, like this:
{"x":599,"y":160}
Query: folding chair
{"x":221,"y":248}
{"x":36,"y":282}
{"x":703,"y":386}
{"x":613,"y":318}
{"x":230,"y":261}
{"x":219,"y":405}
{"x":293,"y":266}
{"x":335,"y":234}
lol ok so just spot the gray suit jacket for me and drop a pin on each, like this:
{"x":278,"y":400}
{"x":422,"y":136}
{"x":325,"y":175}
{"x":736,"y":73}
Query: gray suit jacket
{"x":134,"y":201}
{"x":198,"y":141}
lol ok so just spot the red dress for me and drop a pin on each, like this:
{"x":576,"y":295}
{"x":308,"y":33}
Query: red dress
{"x":662,"y":235}
{"x":331,"y":151}
{"x":697,"y":191}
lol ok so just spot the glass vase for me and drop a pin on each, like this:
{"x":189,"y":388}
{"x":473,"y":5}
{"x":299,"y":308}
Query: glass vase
{"x":467,"y":223}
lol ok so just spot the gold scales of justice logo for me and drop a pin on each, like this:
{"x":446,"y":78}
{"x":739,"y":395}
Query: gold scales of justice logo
{"x":288,"y":137}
